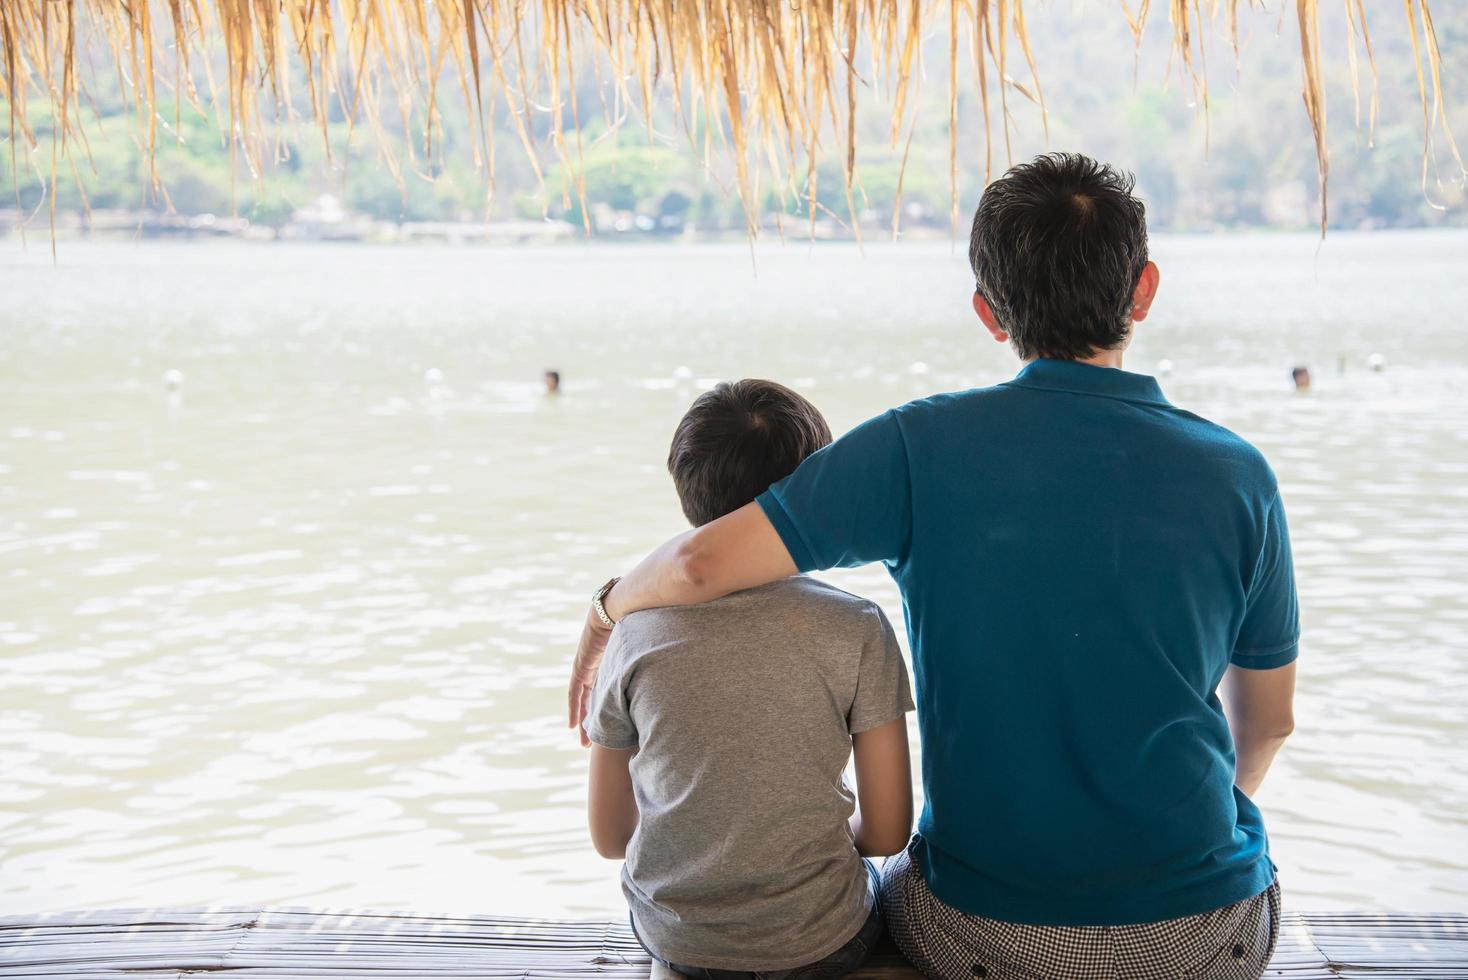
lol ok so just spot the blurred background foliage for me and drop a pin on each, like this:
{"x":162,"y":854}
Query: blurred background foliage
{"x":1247,"y":161}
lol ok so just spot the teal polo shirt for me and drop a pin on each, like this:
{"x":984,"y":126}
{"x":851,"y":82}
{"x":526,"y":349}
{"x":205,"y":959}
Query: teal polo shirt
{"x":1079,"y":561}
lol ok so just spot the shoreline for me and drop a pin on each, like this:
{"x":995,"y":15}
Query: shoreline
{"x":41,"y":238}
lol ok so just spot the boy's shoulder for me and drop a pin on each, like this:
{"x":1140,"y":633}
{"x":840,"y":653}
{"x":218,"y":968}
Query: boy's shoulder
{"x":799,"y":600}
{"x":798,"y":592}
{"x":808,"y":590}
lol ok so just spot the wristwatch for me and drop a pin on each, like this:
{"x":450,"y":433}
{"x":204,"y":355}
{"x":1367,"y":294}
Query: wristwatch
{"x":596,"y":602}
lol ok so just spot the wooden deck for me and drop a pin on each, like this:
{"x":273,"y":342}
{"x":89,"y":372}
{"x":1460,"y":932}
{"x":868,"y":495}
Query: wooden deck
{"x":145,"y":944}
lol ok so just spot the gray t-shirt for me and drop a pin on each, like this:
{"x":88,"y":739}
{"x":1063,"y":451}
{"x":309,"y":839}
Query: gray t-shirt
{"x":743,"y":709}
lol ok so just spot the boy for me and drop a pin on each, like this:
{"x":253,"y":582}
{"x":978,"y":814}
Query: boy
{"x":720,"y":734}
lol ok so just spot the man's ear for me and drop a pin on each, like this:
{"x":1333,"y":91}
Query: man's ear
{"x":981,"y":307}
{"x":1146,"y":290}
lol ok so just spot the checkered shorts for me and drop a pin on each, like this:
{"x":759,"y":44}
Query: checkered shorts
{"x":1233,"y":943}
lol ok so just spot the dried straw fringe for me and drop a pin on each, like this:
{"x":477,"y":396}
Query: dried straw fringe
{"x":761,"y":78}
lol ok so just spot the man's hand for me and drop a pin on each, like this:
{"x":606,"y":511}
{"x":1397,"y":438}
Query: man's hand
{"x":589,"y":650}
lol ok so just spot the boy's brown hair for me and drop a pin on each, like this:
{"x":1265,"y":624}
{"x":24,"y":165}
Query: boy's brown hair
{"x":735,"y":440}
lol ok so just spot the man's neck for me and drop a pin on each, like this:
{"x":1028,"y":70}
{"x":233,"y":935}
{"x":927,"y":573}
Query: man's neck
{"x":1107,"y":358}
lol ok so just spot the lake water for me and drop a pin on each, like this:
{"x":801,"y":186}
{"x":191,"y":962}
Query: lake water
{"x":298,"y":633}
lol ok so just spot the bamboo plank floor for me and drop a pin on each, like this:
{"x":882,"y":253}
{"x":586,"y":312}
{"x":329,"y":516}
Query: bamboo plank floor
{"x":150,"y":944}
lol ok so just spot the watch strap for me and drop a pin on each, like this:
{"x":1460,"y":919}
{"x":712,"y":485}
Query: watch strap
{"x":598,"y":606}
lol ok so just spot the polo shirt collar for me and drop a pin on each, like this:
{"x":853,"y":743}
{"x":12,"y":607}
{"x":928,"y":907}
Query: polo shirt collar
{"x":1089,"y":379}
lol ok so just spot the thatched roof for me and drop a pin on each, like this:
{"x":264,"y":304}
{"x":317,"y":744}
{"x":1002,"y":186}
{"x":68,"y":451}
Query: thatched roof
{"x":770,"y":79}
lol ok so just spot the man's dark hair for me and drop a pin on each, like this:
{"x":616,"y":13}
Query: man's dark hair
{"x":735,"y":440}
{"x":1057,"y":247}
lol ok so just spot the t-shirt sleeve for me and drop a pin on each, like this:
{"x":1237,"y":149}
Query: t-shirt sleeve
{"x":882,"y":689}
{"x":848,"y":504}
{"x":1270,"y":634}
{"x":609,"y":722}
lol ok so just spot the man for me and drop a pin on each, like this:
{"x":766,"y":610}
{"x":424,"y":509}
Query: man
{"x":1084,"y":568}
{"x":721,"y":733}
